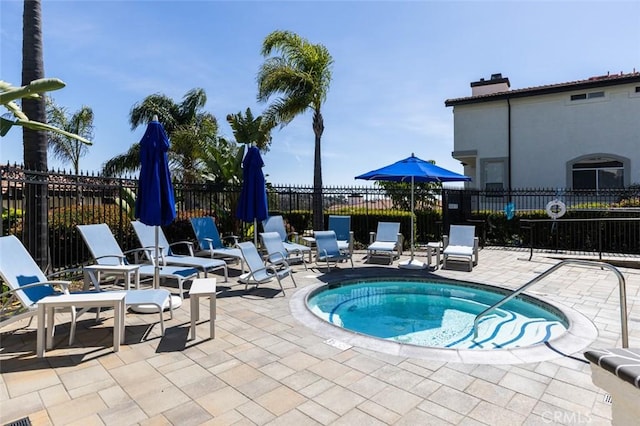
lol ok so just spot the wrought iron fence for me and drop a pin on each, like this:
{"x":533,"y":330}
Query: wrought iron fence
{"x":76,"y":199}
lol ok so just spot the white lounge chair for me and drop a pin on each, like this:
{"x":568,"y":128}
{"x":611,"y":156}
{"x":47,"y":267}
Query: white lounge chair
{"x":260,"y":273}
{"x":27,"y":284}
{"x":276,"y":251}
{"x":461,"y":243}
{"x":105,"y":251}
{"x":210,"y":242}
{"x":147,"y":237}
{"x":386,"y":240}
{"x":328,"y":250}
{"x":276,"y":224}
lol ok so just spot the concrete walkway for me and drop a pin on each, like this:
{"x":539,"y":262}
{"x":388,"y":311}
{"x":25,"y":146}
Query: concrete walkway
{"x":266,"y":367}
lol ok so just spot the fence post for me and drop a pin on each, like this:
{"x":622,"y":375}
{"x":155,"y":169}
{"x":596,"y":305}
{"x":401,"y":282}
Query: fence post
{"x":599,"y":239}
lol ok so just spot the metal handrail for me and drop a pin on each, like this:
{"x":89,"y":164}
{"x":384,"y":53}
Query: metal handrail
{"x":621,"y":284}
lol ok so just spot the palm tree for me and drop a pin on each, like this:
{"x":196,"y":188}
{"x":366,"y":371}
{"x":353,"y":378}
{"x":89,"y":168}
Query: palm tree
{"x":249,"y":130}
{"x":300,"y":75}
{"x":64,"y":147}
{"x":223,"y":162}
{"x":186,"y":125}
{"x":36,"y":229}
{"x":189,"y":147}
{"x":169,"y":113}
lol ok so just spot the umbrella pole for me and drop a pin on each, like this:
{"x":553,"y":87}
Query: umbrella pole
{"x":255,"y":232}
{"x":412,"y":264}
{"x":156,"y":271}
{"x":412,"y":214}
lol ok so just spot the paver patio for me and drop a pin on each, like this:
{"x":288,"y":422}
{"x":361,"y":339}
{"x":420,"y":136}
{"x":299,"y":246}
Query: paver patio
{"x":266,"y":367}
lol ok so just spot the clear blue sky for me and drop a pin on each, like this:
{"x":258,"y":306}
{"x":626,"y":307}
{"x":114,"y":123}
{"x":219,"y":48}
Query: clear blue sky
{"x":395,"y":65}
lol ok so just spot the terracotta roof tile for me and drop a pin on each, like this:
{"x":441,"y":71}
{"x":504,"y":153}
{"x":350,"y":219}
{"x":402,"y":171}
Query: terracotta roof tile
{"x":597,"y":81}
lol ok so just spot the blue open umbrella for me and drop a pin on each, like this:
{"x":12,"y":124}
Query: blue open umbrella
{"x":413,"y":169}
{"x":252,"y":206}
{"x":155,"y":202}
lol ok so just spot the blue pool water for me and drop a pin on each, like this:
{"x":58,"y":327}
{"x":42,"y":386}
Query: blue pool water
{"x":436,"y":314}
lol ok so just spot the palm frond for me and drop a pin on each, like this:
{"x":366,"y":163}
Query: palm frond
{"x":157,"y":104}
{"x":128,"y":162}
{"x":192,"y":102}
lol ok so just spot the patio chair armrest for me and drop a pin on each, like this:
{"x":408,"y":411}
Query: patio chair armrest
{"x":445,"y":241}
{"x":400,"y":243}
{"x":295,"y":251}
{"x":63,"y":284}
{"x":271,"y":270}
{"x":210,"y":242}
{"x":148,"y":253}
{"x":372,"y":237}
{"x":146,"y":250}
{"x":276,"y":258}
{"x":78,"y":271}
{"x":321,"y":253}
{"x":117,"y":256}
{"x":233,"y":240}
{"x":351,"y":239}
{"x":140,"y":249}
{"x":188,"y":244}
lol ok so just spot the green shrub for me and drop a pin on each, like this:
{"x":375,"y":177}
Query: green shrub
{"x":65,"y":242}
{"x":11,"y":219}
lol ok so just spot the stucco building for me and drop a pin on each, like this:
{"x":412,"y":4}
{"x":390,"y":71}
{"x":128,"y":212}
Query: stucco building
{"x":577,"y":135}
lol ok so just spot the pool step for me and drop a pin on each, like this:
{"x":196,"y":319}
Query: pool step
{"x":511,"y":332}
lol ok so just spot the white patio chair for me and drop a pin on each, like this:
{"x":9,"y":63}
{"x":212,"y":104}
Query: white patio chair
{"x":386,"y":240}
{"x":260,"y":273}
{"x":277,"y":252}
{"x":461,"y":243}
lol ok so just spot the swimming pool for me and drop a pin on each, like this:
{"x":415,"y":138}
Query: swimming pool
{"x":436,"y":314}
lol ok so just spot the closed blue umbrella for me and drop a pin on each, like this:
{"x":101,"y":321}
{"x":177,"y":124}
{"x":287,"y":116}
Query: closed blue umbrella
{"x":155,"y":202}
{"x":252,"y":206}
{"x":413,"y":169}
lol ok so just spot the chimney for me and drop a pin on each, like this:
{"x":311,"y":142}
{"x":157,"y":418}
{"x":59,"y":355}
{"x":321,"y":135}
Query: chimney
{"x":496,"y":84}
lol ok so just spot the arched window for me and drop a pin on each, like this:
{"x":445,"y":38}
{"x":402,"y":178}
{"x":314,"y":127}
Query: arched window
{"x":598,"y":172}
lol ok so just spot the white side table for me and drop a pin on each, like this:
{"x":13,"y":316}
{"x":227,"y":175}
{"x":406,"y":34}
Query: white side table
{"x":92,"y":274}
{"x":434,"y":247}
{"x":308,"y":240}
{"x":47,"y":305}
{"x":203,"y":287}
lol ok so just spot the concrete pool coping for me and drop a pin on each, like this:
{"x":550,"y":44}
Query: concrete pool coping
{"x":579,"y":335}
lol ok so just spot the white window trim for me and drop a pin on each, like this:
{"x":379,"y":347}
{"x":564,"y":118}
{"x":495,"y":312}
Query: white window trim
{"x":505,"y":176}
{"x":626,"y":166}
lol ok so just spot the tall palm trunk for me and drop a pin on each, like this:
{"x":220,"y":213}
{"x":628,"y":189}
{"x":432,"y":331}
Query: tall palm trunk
{"x":317,"y":199}
{"x":36,"y":232}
